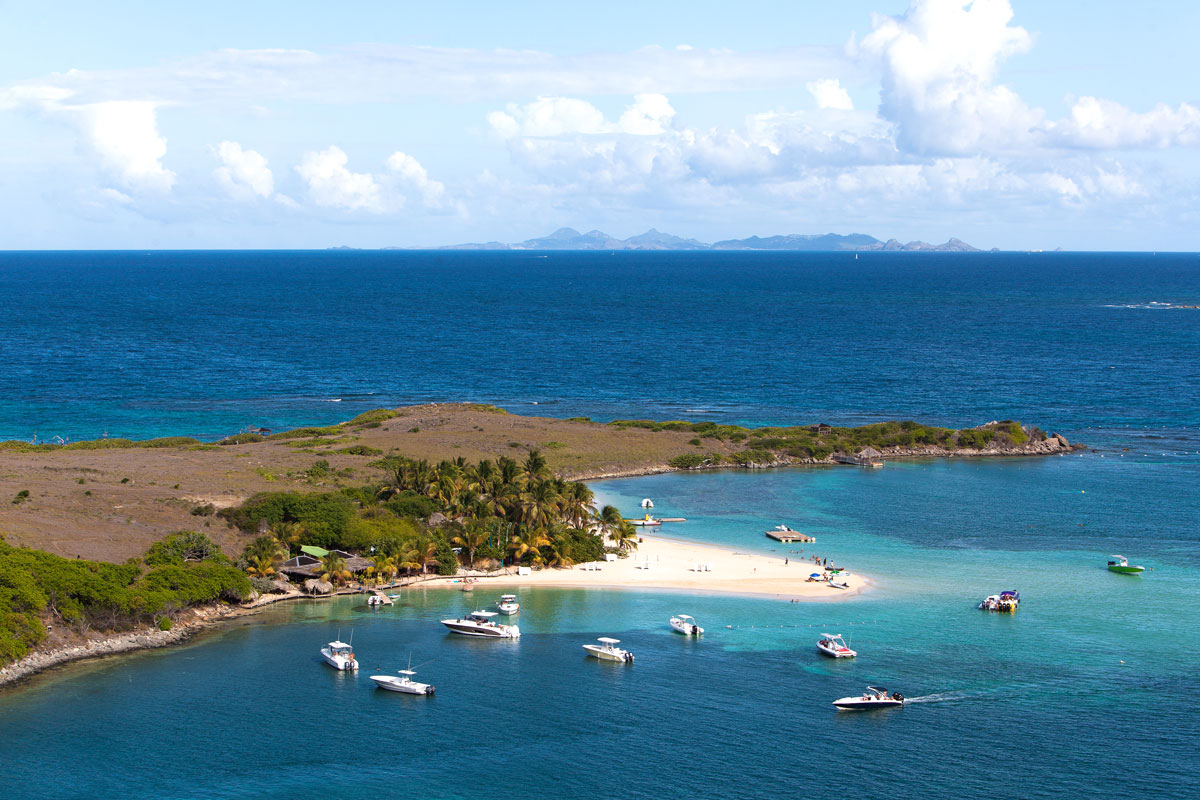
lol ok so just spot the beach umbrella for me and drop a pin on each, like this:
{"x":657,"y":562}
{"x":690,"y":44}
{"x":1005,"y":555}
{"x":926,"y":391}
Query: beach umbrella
{"x":815,"y":575}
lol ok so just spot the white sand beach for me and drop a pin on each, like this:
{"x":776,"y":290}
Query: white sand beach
{"x":671,"y":564}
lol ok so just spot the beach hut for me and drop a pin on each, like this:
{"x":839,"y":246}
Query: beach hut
{"x":303,"y":566}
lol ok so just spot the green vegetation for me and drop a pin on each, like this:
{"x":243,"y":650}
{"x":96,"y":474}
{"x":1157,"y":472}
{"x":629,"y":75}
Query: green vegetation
{"x":21,"y":497}
{"x":98,"y":444}
{"x":38,"y":587}
{"x":817,"y":442}
{"x":413,"y":520}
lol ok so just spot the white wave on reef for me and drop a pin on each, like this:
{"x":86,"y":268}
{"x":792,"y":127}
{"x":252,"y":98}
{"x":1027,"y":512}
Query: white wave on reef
{"x":1153,"y":305}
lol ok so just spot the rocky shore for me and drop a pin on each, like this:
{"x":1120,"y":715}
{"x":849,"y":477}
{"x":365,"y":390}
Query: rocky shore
{"x":1054,"y":444}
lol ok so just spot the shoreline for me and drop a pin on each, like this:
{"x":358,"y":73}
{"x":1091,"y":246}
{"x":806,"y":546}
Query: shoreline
{"x":734,"y":573}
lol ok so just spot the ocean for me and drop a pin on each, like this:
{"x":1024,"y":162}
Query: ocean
{"x":1087,"y":691}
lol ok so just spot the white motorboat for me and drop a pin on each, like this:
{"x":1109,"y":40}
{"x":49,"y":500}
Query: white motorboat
{"x":607,"y":650}
{"x":645,"y":522}
{"x":833,"y":645}
{"x":873,"y":697}
{"x":482,"y":624}
{"x":1006,"y":602}
{"x":404,"y":683}
{"x":339,"y":655}
{"x":508,"y":605}
{"x":682,"y":623}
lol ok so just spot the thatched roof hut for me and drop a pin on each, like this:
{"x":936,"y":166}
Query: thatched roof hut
{"x":314,"y":586}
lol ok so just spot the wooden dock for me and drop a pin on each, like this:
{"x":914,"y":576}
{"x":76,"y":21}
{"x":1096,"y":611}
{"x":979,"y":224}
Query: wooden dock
{"x":788,"y":537}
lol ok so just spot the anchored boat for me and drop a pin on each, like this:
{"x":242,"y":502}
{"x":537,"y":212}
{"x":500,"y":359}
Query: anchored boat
{"x":1121,"y":565}
{"x":481,"y":624}
{"x":508,"y":605}
{"x":607,"y":650}
{"x":833,"y":645}
{"x":685,"y":624}
{"x":339,"y":655}
{"x":404,"y":683}
{"x":1005,"y":602}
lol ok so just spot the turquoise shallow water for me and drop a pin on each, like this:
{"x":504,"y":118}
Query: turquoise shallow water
{"x":1088,"y":691}
{"x":1089,"y":675}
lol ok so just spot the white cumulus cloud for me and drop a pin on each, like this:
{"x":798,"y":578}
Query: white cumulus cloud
{"x":828,"y":93}
{"x":939,"y":63}
{"x":243,"y":173}
{"x":410,"y":173}
{"x":332,"y":185}
{"x":1104,"y":124}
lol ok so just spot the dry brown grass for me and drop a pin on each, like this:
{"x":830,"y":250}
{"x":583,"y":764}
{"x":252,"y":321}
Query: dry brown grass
{"x":131,"y":497}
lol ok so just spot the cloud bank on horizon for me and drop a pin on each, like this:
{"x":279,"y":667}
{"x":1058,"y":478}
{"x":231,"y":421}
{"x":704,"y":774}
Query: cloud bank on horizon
{"x":909,"y":130}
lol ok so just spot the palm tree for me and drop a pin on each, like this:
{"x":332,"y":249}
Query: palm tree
{"x":535,"y":466}
{"x":609,"y":520}
{"x":625,"y":536}
{"x":287,"y":534}
{"x":386,"y":566}
{"x":539,"y":505}
{"x":334,"y":567}
{"x":510,"y":470}
{"x":526,"y":542}
{"x":577,"y":504}
{"x":424,"y":553}
{"x":471,"y":539}
{"x":262,"y":566}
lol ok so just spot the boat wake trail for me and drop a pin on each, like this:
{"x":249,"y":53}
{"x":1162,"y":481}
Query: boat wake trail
{"x":940,"y":697}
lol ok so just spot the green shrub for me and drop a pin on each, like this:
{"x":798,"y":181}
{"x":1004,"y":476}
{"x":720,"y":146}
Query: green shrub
{"x":301,"y":433}
{"x":411,"y":504}
{"x":374,"y":417}
{"x":323,"y":515}
{"x":21,"y":497}
{"x":164,"y":623}
{"x":686,"y":461}
{"x":361,"y":450}
{"x":182,"y":547}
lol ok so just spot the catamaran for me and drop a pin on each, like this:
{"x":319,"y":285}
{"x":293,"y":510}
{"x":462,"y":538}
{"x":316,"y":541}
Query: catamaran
{"x":482,"y":624}
{"x":339,"y":655}
{"x":833,"y":645}
{"x":1121,"y":565}
{"x":508,"y":605}
{"x":685,"y":624}
{"x":607,"y":650}
{"x":873,"y":697}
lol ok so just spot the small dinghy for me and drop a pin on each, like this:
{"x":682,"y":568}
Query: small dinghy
{"x":874,"y":697}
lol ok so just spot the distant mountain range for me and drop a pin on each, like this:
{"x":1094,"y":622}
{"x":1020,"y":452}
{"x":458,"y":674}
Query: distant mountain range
{"x":571,"y":239}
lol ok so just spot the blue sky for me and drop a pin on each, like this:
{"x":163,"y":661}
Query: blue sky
{"x":1007,"y":123}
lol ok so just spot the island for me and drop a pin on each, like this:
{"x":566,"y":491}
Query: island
{"x":116,"y":544}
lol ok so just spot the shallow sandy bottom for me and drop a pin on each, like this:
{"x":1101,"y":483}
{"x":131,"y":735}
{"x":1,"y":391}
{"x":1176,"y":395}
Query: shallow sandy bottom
{"x":670,"y":564}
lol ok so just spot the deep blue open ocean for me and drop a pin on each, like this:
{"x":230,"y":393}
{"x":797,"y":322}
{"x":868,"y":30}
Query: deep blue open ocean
{"x":1090,"y":690}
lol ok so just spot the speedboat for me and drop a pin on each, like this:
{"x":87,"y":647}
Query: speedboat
{"x":404,"y":683}
{"x":508,"y":605}
{"x":1121,"y":565}
{"x":339,"y":655}
{"x":482,"y":624}
{"x":873,"y":697}
{"x":607,"y":650}
{"x":682,"y":623}
{"x":1005,"y":602}
{"x":834,"y":645}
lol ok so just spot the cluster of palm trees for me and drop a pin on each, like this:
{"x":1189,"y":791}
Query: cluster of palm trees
{"x":515,"y":507}
{"x":536,"y":511}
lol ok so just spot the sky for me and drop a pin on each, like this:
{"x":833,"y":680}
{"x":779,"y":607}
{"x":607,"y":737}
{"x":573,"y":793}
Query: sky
{"x":1006,"y":123}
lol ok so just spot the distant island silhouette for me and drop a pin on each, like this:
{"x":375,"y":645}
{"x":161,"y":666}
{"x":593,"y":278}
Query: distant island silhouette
{"x":571,"y":239}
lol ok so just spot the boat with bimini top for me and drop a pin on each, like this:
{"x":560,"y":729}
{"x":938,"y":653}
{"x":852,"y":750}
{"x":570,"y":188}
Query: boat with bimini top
{"x":686,"y":624}
{"x":1121,"y":564}
{"x":607,"y":650}
{"x":1006,"y":602}
{"x":833,"y":645}
{"x":339,"y":655}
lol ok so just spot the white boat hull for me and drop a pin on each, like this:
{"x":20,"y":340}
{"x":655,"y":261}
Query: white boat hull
{"x":508,"y":610}
{"x":836,"y":652}
{"x":859,"y":704}
{"x":686,"y":628}
{"x":393,"y":684}
{"x":339,"y":663}
{"x":606,"y":654}
{"x":467,"y":628}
